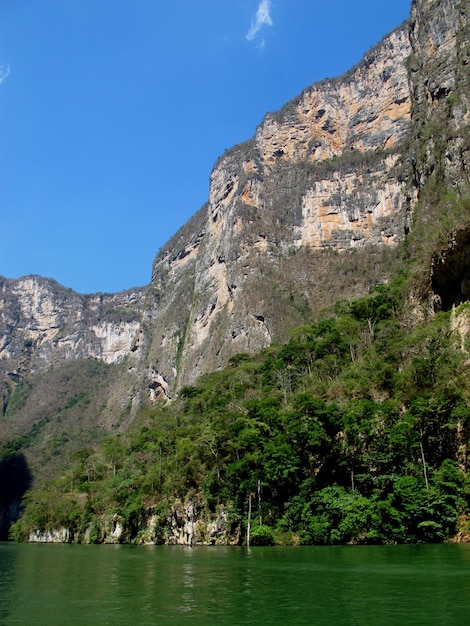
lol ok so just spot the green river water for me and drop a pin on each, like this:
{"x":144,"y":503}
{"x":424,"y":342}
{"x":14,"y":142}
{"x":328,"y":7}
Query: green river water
{"x":69,"y":585}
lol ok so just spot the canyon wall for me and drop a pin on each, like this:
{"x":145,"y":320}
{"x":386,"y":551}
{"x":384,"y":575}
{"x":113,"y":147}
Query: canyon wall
{"x":313,"y":209}
{"x":322,"y":181}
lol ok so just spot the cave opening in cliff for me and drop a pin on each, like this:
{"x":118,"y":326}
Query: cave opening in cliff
{"x":450,"y":276}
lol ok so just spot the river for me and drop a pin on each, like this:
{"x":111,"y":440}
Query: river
{"x":69,"y":585}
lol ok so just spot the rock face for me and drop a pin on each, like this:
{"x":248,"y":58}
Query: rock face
{"x":44,"y":326}
{"x":61,"y":535}
{"x":183,"y":526}
{"x":440,"y":82}
{"x":326,"y":173}
{"x":298,"y":217}
{"x":42,"y":323}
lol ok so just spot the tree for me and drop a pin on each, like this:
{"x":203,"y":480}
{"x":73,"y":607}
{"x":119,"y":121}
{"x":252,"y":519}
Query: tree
{"x":113,"y":452}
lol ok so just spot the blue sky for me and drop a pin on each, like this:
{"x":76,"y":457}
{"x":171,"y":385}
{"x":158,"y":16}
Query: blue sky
{"x":113,"y":113}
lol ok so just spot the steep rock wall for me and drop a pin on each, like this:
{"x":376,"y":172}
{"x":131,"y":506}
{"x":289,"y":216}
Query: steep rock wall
{"x":324,"y":173}
{"x":440,"y":82}
{"x":42,"y":323}
{"x":439,"y":69}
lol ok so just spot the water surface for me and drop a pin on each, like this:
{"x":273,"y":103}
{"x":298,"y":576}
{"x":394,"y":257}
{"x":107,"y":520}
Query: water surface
{"x":70,"y":585}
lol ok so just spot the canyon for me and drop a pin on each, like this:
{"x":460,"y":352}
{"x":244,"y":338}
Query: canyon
{"x":326,"y":200}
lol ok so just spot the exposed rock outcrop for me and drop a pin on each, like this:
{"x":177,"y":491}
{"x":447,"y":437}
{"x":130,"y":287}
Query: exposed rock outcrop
{"x":324,"y":173}
{"x":185,"y":525}
{"x":60,"y":535}
{"x":440,"y":87}
{"x":43,"y":323}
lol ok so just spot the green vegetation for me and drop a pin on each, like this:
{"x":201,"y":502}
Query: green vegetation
{"x":49,"y":416}
{"x":18,"y":398}
{"x":355,"y":431}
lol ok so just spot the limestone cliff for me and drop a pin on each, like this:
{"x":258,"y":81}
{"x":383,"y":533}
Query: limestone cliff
{"x":313,"y":209}
{"x":43,"y":323}
{"x":439,"y":69}
{"x":44,"y":328}
{"x":325,"y":174}
{"x":440,"y":82}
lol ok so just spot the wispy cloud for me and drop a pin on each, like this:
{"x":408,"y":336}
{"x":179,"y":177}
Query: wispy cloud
{"x":4,"y":72}
{"x":262,"y":18}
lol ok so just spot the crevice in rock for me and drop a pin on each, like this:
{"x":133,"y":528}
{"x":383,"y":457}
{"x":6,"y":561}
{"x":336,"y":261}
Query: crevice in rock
{"x":450,"y":271}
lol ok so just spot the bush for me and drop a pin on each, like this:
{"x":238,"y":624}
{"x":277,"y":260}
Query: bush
{"x":262,"y":536}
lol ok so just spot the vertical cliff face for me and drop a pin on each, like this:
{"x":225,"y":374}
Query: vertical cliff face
{"x":325,"y":174}
{"x":439,"y":69}
{"x":440,"y":81}
{"x":42,"y":323}
{"x":325,"y":184}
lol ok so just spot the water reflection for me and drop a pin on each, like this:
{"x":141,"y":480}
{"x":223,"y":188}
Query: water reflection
{"x":158,"y":585}
{"x":7,"y":581}
{"x":15,"y":480}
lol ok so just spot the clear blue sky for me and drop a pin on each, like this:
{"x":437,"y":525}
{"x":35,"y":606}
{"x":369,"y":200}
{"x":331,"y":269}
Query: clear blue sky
{"x":113,"y":113}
